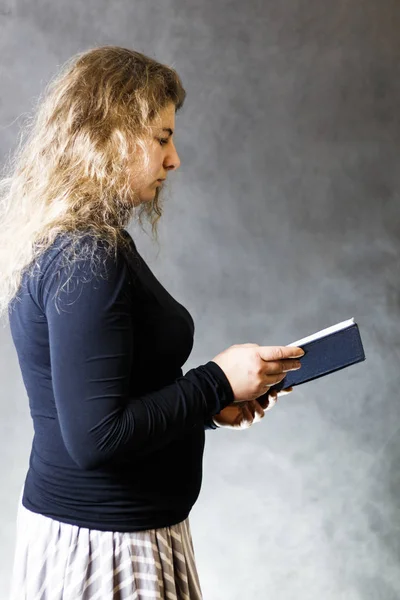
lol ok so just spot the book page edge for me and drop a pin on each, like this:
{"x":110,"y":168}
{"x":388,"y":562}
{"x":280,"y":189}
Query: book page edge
{"x":324,"y":332}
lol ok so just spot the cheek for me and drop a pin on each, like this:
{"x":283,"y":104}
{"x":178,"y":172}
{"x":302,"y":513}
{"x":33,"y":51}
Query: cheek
{"x":156,"y":158}
{"x":147,"y":174}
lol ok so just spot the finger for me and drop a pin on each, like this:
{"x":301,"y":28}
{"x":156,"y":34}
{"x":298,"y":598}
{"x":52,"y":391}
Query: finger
{"x":285,"y":392}
{"x":267,"y":400}
{"x":251,"y":407}
{"x":258,"y":412}
{"x":280,"y":352}
{"x":273,"y":399}
{"x":247,"y":417}
{"x":270,"y":380}
{"x":281,"y":366}
{"x":263,"y":401}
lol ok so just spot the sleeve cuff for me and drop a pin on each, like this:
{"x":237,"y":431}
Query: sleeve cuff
{"x":218,"y":373}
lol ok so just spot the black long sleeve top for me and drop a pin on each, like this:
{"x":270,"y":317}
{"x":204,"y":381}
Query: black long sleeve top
{"x":118,"y":429}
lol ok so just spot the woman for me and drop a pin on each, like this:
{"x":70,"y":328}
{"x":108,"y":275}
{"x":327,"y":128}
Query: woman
{"x":116,"y":459}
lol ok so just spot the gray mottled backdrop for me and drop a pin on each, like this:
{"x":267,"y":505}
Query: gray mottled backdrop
{"x":283,"y":219}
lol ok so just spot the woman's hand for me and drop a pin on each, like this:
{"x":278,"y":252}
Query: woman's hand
{"x":252,"y":369}
{"x":242,"y":415}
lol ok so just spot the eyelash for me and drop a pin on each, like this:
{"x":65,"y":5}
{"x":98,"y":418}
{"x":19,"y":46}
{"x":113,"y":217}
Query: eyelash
{"x":163,"y":141}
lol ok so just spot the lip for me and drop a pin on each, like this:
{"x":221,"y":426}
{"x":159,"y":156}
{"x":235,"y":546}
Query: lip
{"x":160,"y":180}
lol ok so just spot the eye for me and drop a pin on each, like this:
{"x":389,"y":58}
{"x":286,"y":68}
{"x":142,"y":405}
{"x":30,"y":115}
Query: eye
{"x":163,"y":141}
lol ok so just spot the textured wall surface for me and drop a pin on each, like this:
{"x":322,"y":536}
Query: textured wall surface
{"x":283,"y":219}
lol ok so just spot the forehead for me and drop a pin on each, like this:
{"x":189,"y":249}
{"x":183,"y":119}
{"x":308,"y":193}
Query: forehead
{"x":167,"y":117}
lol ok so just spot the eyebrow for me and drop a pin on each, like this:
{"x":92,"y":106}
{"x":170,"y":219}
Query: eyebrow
{"x":170,"y":131}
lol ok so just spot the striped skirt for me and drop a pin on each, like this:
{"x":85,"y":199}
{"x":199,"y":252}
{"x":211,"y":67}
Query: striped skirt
{"x":59,"y":561}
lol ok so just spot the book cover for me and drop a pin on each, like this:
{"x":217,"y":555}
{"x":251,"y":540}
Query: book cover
{"x":326,"y":351}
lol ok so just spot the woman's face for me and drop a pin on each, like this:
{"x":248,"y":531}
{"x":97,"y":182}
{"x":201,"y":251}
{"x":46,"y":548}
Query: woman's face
{"x":162,"y":153}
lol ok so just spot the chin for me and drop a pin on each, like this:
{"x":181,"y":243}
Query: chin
{"x":146,"y":197}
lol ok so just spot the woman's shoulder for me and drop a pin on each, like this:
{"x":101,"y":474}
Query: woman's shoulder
{"x":79,"y":247}
{"x":74,"y":265}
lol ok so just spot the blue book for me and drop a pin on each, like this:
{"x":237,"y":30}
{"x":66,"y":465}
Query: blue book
{"x":326,"y":351}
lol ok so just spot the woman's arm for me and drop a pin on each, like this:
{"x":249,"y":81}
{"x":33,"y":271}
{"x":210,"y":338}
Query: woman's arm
{"x":91,"y":344}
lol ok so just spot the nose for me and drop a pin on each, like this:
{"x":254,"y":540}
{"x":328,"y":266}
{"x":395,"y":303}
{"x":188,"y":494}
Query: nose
{"x":172,"y":160}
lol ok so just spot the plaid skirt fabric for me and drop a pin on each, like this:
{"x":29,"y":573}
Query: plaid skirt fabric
{"x":59,"y":561}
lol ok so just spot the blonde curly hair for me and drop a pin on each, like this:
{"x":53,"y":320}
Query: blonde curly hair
{"x":69,"y":171}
